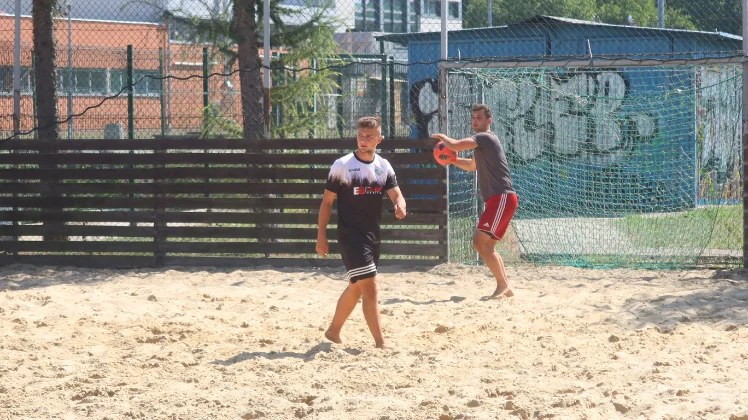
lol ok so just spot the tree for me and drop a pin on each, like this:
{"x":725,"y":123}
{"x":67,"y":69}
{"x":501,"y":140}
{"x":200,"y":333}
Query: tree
{"x":644,"y":12}
{"x":42,"y":12}
{"x":46,"y":62}
{"x":720,"y":15}
{"x":235,"y":33}
{"x":510,"y":11}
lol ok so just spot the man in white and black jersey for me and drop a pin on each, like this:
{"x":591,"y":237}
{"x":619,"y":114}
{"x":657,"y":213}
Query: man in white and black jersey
{"x":358,"y":181}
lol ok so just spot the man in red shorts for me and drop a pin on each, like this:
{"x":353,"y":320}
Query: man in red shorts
{"x":495,"y":184}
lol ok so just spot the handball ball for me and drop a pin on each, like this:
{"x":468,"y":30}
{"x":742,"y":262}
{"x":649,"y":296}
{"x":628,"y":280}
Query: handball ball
{"x":443,"y":154}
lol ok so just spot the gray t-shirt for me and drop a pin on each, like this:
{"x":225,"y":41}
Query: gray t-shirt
{"x":493,"y":171}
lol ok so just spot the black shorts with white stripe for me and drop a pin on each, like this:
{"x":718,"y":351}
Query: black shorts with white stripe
{"x":360,"y":260}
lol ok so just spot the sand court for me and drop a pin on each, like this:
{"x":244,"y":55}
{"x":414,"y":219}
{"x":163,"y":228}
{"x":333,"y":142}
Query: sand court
{"x":224,"y":343}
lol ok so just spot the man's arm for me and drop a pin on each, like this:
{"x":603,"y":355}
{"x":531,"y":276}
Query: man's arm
{"x":325,"y":209}
{"x":465,"y":164}
{"x":398,"y":200}
{"x":456,"y":145}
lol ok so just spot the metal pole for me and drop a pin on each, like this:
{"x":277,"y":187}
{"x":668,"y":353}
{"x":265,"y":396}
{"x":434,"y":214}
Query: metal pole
{"x":33,"y":91}
{"x":206,"y":82}
{"x":70,"y":72}
{"x":130,"y":96}
{"x":168,"y":73}
{"x":443,"y":126}
{"x":745,"y":133}
{"x":490,"y":13}
{"x":266,"y":52}
{"x":162,"y":98}
{"x":339,"y":104}
{"x":660,"y":13}
{"x":17,"y":73}
{"x":383,"y":109}
{"x":315,"y":104}
{"x":130,"y":109}
{"x":391,"y":119}
{"x":206,"y":100}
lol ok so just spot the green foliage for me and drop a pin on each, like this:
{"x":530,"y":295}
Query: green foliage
{"x":509,"y":11}
{"x":615,"y":12}
{"x":216,"y":124}
{"x":305,"y":46}
{"x":719,"y":15}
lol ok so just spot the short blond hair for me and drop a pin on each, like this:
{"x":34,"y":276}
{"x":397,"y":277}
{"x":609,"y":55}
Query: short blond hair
{"x":370,"y":122}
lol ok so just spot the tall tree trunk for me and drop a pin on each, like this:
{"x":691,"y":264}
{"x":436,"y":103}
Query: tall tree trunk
{"x":250,"y":76}
{"x":46,"y":62}
{"x":250,"y":80}
{"x":46,"y":91}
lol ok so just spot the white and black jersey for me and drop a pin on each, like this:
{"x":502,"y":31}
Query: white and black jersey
{"x":359,"y":186}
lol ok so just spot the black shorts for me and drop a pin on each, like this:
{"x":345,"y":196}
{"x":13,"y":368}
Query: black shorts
{"x":360,"y":259}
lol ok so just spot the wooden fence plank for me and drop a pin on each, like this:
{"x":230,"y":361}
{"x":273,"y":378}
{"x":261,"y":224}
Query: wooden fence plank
{"x":215,"y":144}
{"x":435,"y":250}
{"x":82,"y":246}
{"x":321,"y":159}
{"x":210,"y":232}
{"x":80,"y":216}
{"x":187,"y":172}
{"x":82,"y":230}
{"x":201,"y":173}
{"x":127,"y":261}
{"x":409,"y":190}
{"x":292,"y":248}
{"x":420,"y":205}
{"x":203,"y":217}
{"x":331,"y":262}
{"x":91,"y":261}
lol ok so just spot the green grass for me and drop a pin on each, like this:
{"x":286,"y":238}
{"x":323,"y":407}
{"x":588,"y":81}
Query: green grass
{"x":714,"y":227}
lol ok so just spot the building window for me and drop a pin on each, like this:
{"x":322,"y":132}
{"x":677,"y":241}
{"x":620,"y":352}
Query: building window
{"x":415,"y":11}
{"x":454,"y":10}
{"x":310,"y":3}
{"x":143,"y":85}
{"x":184,"y":31}
{"x":394,"y":15}
{"x":367,"y":15}
{"x":432,"y":7}
{"x":6,"y":79}
{"x":87,"y":81}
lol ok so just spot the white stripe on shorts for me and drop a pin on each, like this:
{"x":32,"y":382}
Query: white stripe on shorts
{"x":371,"y":268}
{"x":499,"y":213}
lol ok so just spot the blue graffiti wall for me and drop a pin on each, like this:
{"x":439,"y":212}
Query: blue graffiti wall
{"x":602,"y":142}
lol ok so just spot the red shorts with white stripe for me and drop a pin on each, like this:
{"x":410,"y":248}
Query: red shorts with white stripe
{"x":499,"y":211}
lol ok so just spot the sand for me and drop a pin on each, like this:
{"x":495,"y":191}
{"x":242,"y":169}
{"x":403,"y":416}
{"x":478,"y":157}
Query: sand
{"x":224,"y":343}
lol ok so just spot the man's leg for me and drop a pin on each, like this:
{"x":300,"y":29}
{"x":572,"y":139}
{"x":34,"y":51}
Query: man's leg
{"x":370,"y":305}
{"x":347,"y":302}
{"x":484,"y":245}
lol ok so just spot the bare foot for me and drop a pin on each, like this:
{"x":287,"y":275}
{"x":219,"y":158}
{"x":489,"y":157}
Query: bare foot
{"x":335,"y":338}
{"x":502,"y":293}
{"x":383,"y":346}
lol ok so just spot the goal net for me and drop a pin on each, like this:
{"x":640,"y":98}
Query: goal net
{"x":614,"y":166}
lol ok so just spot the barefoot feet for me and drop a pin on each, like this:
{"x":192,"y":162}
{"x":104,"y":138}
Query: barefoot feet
{"x":505,"y":292}
{"x":335,"y":338}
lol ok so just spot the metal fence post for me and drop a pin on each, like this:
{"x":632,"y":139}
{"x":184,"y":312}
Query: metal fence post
{"x":383,"y":108}
{"x":391,"y":103}
{"x":162,"y":97}
{"x":33,"y":91}
{"x":130,"y":95}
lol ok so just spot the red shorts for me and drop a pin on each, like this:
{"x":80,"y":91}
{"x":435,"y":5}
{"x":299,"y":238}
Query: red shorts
{"x":499,"y":211}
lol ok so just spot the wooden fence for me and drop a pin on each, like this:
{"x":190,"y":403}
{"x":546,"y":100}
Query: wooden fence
{"x":183,"y":202}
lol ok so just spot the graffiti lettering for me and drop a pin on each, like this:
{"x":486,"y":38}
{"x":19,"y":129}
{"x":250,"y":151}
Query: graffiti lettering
{"x":424,"y":102}
{"x":573,"y":115}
